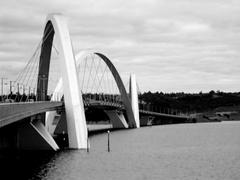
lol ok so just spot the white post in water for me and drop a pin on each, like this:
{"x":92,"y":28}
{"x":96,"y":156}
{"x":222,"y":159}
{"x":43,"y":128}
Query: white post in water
{"x":108,"y":140}
{"x":134,"y":98}
{"x":88,"y":142}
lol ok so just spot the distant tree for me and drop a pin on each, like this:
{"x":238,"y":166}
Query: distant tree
{"x":191,"y":102}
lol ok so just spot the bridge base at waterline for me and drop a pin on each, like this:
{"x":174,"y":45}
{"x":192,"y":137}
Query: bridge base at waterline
{"x":117,"y":119}
{"x":29,"y":134}
{"x":146,"y":120}
{"x":134,"y":100}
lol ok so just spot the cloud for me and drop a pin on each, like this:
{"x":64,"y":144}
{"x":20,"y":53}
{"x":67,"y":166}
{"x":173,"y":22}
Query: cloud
{"x":171,"y":45}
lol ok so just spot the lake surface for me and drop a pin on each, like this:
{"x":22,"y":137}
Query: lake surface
{"x":199,"y":151}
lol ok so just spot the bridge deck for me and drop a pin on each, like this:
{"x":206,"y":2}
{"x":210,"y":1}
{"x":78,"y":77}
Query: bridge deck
{"x":112,"y":105}
{"x":13,"y":112}
{"x":162,"y":114}
{"x":103,"y":104}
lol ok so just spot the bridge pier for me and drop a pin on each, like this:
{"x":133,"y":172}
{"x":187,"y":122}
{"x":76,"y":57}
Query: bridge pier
{"x":146,"y":120}
{"x":30,"y":134}
{"x":34,"y":136}
{"x":117,"y":119}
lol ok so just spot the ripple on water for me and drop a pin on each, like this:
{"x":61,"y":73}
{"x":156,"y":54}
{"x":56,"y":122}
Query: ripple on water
{"x":183,"y":151}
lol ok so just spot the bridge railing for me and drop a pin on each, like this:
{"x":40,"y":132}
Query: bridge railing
{"x":26,"y":98}
{"x":89,"y":100}
{"x":162,"y":110}
{"x":104,"y":99}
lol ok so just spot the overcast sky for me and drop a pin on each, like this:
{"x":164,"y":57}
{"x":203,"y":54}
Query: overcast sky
{"x":171,"y":45}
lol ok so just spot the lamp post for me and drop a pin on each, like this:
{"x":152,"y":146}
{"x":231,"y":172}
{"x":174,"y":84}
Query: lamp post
{"x":2,"y":82}
{"x":10,"y":86}
{"x":23,"y":86}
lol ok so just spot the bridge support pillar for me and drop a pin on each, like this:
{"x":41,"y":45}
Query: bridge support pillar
{"x":134,"y":99}
{"x":30,"y":134}
{"x":49,"y":123}
{"x":146,"y":120}
{"x":117,"y":119}
{"x":61,"y":127}
{"x":34,"y":136}
{"x":51,"y":116}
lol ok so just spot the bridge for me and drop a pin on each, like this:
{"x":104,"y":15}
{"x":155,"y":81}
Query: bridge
{"x":43,"y":104}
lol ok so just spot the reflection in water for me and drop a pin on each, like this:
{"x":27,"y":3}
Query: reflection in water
{"x":186,"y":151}
{"x":24,"y":165}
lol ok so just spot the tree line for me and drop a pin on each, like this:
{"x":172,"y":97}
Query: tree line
{"x":191,"y":102}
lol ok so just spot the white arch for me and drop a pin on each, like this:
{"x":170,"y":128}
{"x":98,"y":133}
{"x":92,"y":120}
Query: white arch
{"x":134,"y":98}
{"x":76,"y":122}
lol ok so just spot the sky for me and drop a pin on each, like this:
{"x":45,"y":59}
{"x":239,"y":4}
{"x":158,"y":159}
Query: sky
{"x":171,"y":45}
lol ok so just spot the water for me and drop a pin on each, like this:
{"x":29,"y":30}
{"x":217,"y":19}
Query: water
{"x":184,"y":151}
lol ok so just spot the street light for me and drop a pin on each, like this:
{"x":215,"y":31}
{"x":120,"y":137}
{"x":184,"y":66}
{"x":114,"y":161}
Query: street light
{"x":10,"y":86}
{"x":2,"y":79}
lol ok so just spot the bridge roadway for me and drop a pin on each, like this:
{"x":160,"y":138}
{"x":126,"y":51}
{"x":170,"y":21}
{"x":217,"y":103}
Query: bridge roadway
{"x":13,"y":112}
{"x":114,"y":105}
{"x":157,"y":114}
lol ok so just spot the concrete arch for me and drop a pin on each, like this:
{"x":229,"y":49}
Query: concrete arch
{"x":133,"y":95}
{"x":126,"y":101}
{"x":76,"y":122}
{"x":132,"y":119}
